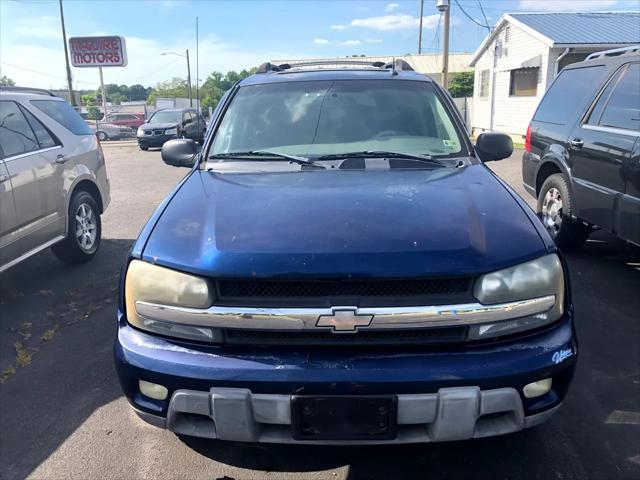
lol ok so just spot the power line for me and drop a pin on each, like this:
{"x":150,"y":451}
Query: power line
{"x":45,"y":74}
{"x":482,"y":10}
{"x":156,"y":71}
{"x":436,"y":35}
{"x":471,"y":18}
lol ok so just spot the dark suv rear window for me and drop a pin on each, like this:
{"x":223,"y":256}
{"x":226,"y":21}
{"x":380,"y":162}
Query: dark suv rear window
{"x":62,"y":113}
{"x":569,"y":95}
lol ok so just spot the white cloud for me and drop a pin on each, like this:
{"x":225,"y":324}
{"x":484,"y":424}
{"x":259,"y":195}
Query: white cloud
{"x":320,"y":41}
{"x":145,"y":65}
{"x":338,"y":27}
{"x":37,"y":27}
{"x":350,"y":43}
{"x":565,"y":5}
{"x":391,"y":6}
{"x":373,"y":40}
{"x":396,"y":22}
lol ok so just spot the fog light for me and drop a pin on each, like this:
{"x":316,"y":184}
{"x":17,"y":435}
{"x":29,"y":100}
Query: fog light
{"x":153,"y":390}
{"x":537,"y":389}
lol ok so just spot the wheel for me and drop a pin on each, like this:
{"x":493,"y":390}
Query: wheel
{"x":102,"y":136}
{"x":555,"y":206}
{"x":84,"y":230}
{"x":144,"y":148}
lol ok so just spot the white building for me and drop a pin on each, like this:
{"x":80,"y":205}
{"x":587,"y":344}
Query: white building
{"x":519,"y":59}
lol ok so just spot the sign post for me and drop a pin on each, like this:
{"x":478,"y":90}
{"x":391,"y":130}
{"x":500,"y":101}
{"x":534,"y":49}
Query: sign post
{"x":91,"y":52}
{"x":104,"y":96}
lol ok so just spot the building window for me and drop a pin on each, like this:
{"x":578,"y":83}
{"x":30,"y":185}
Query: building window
{"x":484,"y":83}
{"x":507,"y":33}
{"x":524,"y":82}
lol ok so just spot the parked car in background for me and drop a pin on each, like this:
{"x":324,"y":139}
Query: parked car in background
{"x":341,"y":266}
{"x":53,"y":180}
{"x":582,"y":150}
{"x":131,"y":120}
{"x":108,"y":131}
{"x":166,"y":124}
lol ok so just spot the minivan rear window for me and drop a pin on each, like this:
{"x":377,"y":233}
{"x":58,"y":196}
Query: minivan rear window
{"x":569,"y":95}
{"x":62,"y":113}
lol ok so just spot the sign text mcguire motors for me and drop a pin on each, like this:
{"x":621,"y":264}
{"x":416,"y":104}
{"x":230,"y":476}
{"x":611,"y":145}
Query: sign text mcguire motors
{"x":98,"y":51}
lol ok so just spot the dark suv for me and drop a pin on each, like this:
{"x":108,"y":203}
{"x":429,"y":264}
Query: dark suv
{"x":582,"y":150}
{"x":341,"y":266}
{"x":166,"y":124}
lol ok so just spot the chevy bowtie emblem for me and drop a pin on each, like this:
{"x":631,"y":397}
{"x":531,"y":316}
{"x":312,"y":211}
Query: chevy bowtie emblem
{"x":344,"y":320}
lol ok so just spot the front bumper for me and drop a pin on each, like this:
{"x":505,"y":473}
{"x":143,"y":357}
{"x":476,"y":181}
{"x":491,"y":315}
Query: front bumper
{"x":244,"y":393}
{"x":154,"y":140}
{"x":457,"y":413}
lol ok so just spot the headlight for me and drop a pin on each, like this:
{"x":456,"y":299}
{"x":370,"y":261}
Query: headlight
{"x":154,"y":284}
{"x":140,"y":132}
{"x":171,"y":131}
{"x":534,"y":279}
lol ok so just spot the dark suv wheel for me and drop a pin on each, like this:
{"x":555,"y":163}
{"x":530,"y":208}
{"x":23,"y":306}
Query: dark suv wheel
{"x":84,"y":230}
{"x":555,"y":208}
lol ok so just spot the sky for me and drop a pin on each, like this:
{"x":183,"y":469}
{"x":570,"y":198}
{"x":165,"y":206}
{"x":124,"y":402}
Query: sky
{"x":239,"y":34}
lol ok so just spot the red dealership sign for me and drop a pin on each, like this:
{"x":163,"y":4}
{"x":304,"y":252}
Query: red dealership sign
{"x":98,"y":51}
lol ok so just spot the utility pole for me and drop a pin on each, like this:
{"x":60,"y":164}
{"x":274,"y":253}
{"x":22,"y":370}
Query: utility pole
{"x":420,"y":32}
{"x":72,"y":99}
{"x":189,"y":79}
{"x":188,"y":72}
{"x":443,"y":6}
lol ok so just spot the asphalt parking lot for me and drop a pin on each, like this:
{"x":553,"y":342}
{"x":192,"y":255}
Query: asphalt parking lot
{"x":62,"y":414}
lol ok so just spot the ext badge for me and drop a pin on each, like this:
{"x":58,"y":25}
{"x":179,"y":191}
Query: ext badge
{"x":561,"y":355}
{"x":344,"y":320}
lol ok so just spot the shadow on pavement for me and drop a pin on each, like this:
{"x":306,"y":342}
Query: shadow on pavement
{"x":64,"y":318}
{"x":518,"y":455}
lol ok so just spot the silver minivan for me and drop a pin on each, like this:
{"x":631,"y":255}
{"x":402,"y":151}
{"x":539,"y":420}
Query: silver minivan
{"x":53,"y":179}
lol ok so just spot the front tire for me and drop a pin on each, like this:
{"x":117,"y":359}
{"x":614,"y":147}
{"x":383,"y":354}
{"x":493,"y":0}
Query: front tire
{"x":102,"y":136}
{"x":555,"y":208}
{"x":144,"y":148}
{"x":84,"y":230}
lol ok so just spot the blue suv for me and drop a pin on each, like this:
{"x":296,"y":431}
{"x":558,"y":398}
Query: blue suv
{"x":340,"y":266}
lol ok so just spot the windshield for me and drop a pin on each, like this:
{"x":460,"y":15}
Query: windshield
{"x":166,"y":116}
{"x":318,"y":118}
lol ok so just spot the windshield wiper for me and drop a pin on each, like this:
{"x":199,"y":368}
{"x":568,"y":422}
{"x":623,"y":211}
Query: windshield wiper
{"x":383,"y":154}
{"x":263,"y":155}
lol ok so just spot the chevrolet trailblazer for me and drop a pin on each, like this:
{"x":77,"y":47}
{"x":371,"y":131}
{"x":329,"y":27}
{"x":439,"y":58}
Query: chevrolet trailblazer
{"x":340,"y":266}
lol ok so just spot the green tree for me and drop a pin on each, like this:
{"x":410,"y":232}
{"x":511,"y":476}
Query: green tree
{"x":88,"y":98}
{"x":217,"y":83}
{"x":93,"y":113}
{"x":174,"y":88}
{"x":461,"y":84}
{"x":117,"y":98}
{"x":137,"y":92}
{"x":6,"y":82}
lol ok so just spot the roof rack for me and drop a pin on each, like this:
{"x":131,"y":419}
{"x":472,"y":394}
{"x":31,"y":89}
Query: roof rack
{"x":614,"y":52}
{"x":396,"y":65}
{"x":26,"y":90}
{"x":267,"y":67}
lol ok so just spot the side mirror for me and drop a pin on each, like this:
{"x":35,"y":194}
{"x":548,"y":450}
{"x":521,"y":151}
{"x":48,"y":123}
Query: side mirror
{"x":494,"y":146}
{"x":180,"y":152}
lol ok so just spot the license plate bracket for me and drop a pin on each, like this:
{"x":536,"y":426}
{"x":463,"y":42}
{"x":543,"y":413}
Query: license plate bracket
{"x":344,"y":417}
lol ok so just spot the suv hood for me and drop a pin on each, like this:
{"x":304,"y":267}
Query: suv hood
{"x":151,"y":126}
{"x":393,"y":223}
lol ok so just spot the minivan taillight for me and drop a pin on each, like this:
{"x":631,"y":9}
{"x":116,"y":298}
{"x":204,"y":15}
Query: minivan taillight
{"x":527,"y":139}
